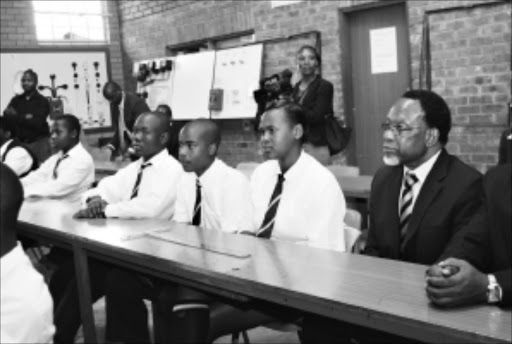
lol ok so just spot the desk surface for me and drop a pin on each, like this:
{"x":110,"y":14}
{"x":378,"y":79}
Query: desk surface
{"x":382,"y":294}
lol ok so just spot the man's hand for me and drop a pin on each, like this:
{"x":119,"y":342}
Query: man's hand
{"x":96,"y":206}
{"x":453,"y":288}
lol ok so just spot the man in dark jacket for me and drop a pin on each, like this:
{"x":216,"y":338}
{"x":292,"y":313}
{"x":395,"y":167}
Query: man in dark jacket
{"x":477,"y":266}
{"x":125,"y":108}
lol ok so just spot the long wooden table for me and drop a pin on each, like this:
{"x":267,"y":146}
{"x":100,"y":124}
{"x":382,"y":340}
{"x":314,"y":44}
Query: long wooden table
{"x":377,"y":293}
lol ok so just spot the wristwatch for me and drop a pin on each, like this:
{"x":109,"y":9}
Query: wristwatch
{"x":494,"y":292}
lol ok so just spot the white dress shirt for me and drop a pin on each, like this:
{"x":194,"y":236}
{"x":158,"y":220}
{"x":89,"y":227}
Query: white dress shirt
{"x":26,"y":315}
{"x":421,"y":172}
{"x":75,"y":174}
{"x":312,"y":206}
{"x":157,"y":189}
{"x":225,"y":199}
{"x":18,"y":159}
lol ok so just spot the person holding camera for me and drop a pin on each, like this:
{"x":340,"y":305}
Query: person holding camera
{"x":316,"y":96}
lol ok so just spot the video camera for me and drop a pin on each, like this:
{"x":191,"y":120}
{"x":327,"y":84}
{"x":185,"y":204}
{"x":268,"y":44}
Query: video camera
{"x":276,"y":86}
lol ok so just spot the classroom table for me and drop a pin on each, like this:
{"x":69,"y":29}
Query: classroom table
{"x":378,"y":293}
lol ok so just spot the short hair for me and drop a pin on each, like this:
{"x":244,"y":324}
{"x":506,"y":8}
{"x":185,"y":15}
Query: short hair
{"x":167,"y":109}
{"x":32,"y":74}
{"x":72,"y":123}
{"x":7,"y":124}
{"x":437,"y":112}
{"x":312,"y":49}
{"x":11,"y":193}
{"x":211,"y":129}
{"x":295,"y":114}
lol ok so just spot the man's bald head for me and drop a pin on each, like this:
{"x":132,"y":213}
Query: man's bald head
{"x":112,"y":92}
{"x":11,"y":198}
{"x":199,"y":143}
{"x":206,"y":129}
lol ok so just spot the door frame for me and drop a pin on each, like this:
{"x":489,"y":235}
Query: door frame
{"x":346,"y":64}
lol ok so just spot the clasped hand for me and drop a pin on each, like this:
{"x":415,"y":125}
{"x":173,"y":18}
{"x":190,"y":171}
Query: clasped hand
{"x":95,"y":208}
{"x":458,"y":285}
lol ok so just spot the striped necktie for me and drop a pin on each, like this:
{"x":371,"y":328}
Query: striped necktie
{"x":406,"y":203}
{"x":268,"y":221}
{"x":55,"y":173}
{"x":196,"y":218}
{"x":135,"y":190}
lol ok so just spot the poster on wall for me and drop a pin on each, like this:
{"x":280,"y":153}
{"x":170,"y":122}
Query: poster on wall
{"x":83,"y":72}
{"x":383,"y":47}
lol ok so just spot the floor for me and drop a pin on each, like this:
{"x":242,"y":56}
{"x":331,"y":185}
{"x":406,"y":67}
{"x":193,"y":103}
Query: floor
{"x":257,"y":335}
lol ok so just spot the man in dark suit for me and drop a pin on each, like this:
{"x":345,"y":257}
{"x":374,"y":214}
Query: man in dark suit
{"x":505,"y":150}
{"x":418,"y":201}
{"x":424,"y":195}
{"x":125,"y":108}
{"x":478,"y":267}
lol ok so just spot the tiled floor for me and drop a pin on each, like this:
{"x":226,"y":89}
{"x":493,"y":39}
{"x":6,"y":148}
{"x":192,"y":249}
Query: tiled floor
{"x":257,"y":335}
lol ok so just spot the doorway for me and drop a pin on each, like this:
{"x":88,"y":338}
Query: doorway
{"x":376,"y":72}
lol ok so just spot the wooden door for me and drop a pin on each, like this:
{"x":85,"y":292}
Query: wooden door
{"x":376,"y":74}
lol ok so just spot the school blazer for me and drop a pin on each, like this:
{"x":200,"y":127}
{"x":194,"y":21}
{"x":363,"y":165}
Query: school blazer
{"x":486,"y":242}
{"x":133,"y":107}
{"x":451,"y":194}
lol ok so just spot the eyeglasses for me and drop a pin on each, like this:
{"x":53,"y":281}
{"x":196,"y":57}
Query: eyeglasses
{"x":397,"y":129}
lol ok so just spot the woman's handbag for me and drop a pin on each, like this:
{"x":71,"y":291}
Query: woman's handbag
{"x":337,"y":135}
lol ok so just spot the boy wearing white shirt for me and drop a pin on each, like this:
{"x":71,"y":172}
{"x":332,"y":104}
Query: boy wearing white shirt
{"x":295,"y":198}
{"x":27,"y":310}
{"x":144,"y":189}
{"x":67,"y":173}
{"x":12,"y":152}
{"x":212,"y":195}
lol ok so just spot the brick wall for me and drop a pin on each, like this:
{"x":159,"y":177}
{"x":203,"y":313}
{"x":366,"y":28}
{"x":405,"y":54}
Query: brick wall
{"x":17,"y":31}
{"x":470,"y":56}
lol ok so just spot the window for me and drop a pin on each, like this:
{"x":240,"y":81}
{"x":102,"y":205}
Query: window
{"x":70,"y":21}
{"x":279,"y":3}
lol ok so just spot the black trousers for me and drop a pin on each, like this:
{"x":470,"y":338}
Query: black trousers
{"x":317,"y":329}
{"x":64,"y":291}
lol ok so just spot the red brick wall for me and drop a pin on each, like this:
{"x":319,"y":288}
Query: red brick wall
{"x":470,"y":56}
{"x":17,"y":31}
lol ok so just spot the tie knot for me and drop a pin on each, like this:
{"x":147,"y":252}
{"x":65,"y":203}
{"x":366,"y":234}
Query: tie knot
{"x":411,"y":178}
{"x":280,"y":178}
{"x":143,"y":166}
{"x":198,"y":183}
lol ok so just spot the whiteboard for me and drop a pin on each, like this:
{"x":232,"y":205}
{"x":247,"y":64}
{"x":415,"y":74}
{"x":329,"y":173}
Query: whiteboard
{"x":85,"y":102}
{"x":192,"y":81}
{"x":238,"y":72}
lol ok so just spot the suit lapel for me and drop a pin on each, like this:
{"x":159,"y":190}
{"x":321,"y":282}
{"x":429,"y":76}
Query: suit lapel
{"x":431,"y":187}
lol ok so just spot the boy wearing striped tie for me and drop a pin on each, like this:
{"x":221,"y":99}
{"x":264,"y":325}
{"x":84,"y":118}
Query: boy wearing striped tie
{"x":67,"y":173}
{"x":153,"y":179}
{"x":211,"y":195}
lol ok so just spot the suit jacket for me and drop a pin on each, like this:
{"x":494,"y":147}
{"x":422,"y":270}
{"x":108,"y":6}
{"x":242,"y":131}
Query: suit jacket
{"x":318,"y":104}
{"x":505,"y":150}
{"x":486,"y":242}
{"x":133,"y":106}
{"x":450,"y":195}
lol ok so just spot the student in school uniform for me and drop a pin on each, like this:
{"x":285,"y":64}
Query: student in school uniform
{"x":173,"y":146}
{"x":211,"y":195}
{"x":12,"y":152}
{"x":144,"y":189}
{"x":26,"y":311}
{"x":67,"y":173}
{"x":295,"y":198}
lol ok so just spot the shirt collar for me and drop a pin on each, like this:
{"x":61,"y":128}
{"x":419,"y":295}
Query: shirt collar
{"x":121,"y":103}
{"x":157,"y":159}
{"x":423,"y":170}
{"x":295,"y":170}
{"x":73,"y":151}
{"x":210,"y":173}
{"x":4,"y":146}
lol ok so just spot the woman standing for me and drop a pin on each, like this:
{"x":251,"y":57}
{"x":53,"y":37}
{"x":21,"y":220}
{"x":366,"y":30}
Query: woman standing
{"x":315,"y":95}
{"x":30,"y":111}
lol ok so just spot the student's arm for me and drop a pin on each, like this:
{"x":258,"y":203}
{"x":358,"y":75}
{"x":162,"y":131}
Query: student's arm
{"x":237,"y":213}
{"x":322,"y":105}
{"x":151,"y":201}
{"x":42,"y":174}
{"x":69,"y":179}
{"x":19,"y":160}
{"x":327,"y":221}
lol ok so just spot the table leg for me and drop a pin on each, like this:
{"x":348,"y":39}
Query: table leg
{"x":84,"y":294}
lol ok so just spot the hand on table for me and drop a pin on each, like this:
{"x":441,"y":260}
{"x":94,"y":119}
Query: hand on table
{"x":454,"y":288}
{"x":95,"y":207}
